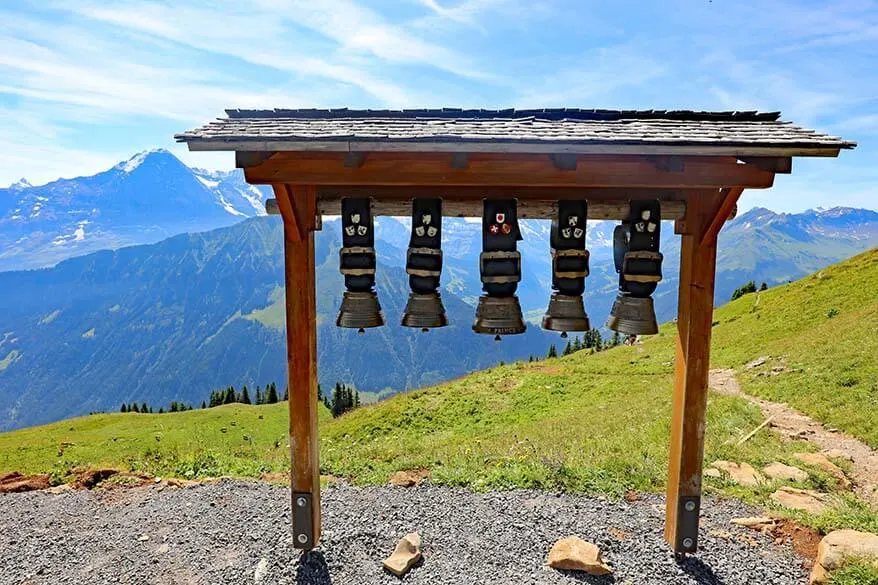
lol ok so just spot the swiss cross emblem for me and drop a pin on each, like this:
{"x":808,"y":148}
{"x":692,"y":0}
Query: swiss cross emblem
{"x":494,"y":229}
{"x":500,"y":217}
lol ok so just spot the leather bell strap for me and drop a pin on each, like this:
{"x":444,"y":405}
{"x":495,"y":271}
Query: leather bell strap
{"x":424,"y":257}
{"x":569,"y":256}
{"x":500,"y":261}
{"x":642,"y":261}
{"x":357,"y":258}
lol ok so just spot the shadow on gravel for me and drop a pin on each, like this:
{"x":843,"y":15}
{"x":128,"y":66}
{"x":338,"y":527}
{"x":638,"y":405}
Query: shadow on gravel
{"x":700,"y":571}
{"x":590,"y":579}
{"x":312,"y":569}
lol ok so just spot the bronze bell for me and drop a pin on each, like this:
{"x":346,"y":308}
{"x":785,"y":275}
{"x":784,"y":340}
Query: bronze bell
{"x":633,"y":316}
{"x":565,"y":313}
{"x":499,"y":316}
{"x":424,"y":311}
{"x":360,"y":310}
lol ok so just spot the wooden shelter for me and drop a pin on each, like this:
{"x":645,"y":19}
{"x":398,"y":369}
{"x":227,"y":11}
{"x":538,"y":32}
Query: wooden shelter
{"x":696,"y":163}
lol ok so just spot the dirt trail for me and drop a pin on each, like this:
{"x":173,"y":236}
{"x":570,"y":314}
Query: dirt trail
{"x":793,"y":424}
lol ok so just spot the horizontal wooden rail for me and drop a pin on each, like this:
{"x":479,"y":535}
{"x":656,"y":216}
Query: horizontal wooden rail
{"x":527,"y":209}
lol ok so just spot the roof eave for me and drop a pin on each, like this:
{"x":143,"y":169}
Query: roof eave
{"x":707,"y":149}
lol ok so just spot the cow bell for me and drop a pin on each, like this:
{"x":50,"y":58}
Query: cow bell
{"x":566,"y":313}
{"x":499,"y":316}
{"x":633,"y":316}
{"x":360,"y":310}
{"x":424,"y":311}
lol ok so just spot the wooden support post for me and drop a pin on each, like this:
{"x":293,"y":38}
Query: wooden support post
{"x":299,"y":208}
{"x":694,"y":318}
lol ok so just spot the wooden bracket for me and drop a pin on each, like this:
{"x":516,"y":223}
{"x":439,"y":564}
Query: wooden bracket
{"x":727,"y":206}
{"x":271,"y":207}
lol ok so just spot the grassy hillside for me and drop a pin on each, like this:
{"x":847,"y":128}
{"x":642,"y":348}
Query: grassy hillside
{"x":584,"y":423}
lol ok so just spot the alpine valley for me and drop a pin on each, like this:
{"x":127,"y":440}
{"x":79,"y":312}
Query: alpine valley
{"x":195,"y":300}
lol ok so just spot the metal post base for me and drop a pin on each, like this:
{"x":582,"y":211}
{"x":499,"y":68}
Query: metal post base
{"x":688,"y":508}
{"x":303,"y":533}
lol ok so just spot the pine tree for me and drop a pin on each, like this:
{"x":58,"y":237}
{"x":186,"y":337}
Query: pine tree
{"x":763,"y":286}
{"x":552,"y":351}
{"x":144,"y":408}
{"x":568,"y":348}
{"x":134,"y":407}
{"x":271,"y":397}
{"x":617,"y":339}
{"x":124,"y":408}
{"x":287,"y":392}
{"x":161,"y":411}
{"x":230,"y":396}
{"x":577,"y":343}
{"x":203,"y":405}
{"x":245,"y":395}
{"x":356,"y":399}
{"x":259,"y":398}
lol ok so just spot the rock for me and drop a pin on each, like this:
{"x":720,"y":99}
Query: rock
{"x":711,"y":472}
{"x":143,"y":537}
{"x":261,"y":571}
{"x":820,"y":461}
{"x":779,"y":470}
{"x":574,"y":554}
{"x":739,"y":473}
{"x":805,"y":500}
{"x":408,"y":478}
{"x":60,"y":489}
{"x":840,"y":545}
{"x":756,"y":522}
{"x":406,"y":554}
{"x":837,"y":454}
{"x":756,"y":363}
{"x":15,"y":483}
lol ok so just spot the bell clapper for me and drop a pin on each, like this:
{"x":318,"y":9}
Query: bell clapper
{"x":563,"y":335}
{"x":496,"y":338}
{"x":424,"y":329}
{"x":361,"y":331}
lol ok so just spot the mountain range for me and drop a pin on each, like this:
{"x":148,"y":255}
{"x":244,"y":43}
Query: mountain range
{"x":174,"y":319}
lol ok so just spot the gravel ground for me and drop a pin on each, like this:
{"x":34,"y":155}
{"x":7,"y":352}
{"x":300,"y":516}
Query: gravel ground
{"x":233,"y":532}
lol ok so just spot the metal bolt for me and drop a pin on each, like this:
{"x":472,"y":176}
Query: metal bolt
{"x":302,"y":538}
{"x":690,"y":506}
{"x":687,"y":542}
{"x":301,"y":502}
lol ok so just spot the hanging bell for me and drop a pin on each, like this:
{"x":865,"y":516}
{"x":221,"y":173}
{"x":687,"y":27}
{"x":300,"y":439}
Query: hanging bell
{"x":499,"y":316}
{"x":633,"y":316}
{"x":424,"y":311}
{"x":566,"y":313}
{"x":360,"y":310}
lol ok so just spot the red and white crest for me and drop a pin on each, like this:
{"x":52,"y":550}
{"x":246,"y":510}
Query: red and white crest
{"x":500,"y":217}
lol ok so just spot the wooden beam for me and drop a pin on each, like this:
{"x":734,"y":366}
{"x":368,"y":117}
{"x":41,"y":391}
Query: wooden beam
{"x":564,"y":161}
{"x":354,"y":160}
{"x":775,"y":164}
{"x":527,"y":208}
{"x":430,"y":169}
{"x":298,"y":208}
{"x":459,"y":160}
{"x":694,"y":318}
{"x":244,"y":158}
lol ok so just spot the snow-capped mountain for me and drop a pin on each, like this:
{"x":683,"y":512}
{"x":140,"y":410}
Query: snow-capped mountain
{"x":144,"y":199}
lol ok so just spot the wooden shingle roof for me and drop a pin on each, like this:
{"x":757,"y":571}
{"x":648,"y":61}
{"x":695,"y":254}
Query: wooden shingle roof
{"x":546,"y":130}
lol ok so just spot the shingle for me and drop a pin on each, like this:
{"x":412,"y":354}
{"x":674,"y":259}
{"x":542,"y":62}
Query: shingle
{"x":559,"y":125}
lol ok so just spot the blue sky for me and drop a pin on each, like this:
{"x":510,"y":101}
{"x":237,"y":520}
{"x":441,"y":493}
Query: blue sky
{"x":86,"y":84}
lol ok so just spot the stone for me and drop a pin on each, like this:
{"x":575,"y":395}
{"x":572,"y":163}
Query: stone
{"x":574,"y":554}
{"x":712,"y":472}
{"x":805,"y":500}
{"x":739,"y":473}
{"x":91,"y":478}
{"x":756,"y":363}
{"x":779,"y":470}
{"x":15,"y":482}
{"x":755,"y":522}
{"x":406,"y":554}
{"x":837,"y":453}
{"x":143,"y":537}
{"x":839,"y":546}
{"x":820,"y":461}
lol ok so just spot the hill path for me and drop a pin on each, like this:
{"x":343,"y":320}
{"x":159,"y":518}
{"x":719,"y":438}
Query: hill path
{"x":793,"y":424}
{"x":239,"y":532}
